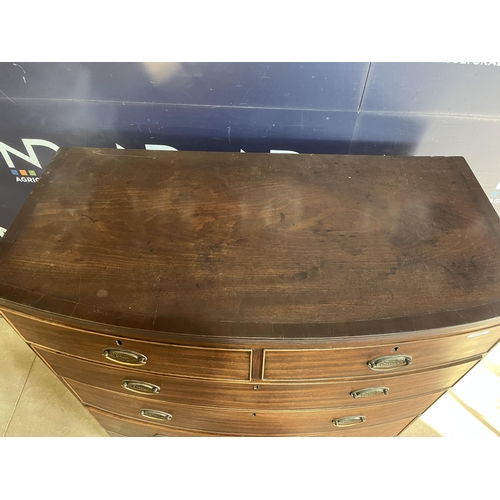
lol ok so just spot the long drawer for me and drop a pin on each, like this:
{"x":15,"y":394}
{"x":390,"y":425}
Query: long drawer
{"x":310,"y":364}
{"x":247,"y":422}
{"x":382,"y":389}
{"x":186,"y":361}
{"x":118,"y":426}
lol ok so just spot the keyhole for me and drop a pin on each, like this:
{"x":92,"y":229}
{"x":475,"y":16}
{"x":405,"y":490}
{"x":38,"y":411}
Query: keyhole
{"x":254,"y":414}
{"x":118,"y":342}
{"x":395,"y":349}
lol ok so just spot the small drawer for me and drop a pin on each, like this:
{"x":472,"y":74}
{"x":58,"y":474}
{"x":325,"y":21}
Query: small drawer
{"x":312,"y":364}
{"x":184,"y":361}
{"x":247,"y":422}
{"x":256,"y":395}
{"x":118,"y":426}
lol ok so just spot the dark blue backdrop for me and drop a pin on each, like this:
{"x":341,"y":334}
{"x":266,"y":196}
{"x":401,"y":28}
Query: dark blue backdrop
{"x":347,"y":108}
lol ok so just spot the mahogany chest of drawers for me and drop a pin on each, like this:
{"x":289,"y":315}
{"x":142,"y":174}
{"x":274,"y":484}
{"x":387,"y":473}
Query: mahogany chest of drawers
{"x":202,"y":294}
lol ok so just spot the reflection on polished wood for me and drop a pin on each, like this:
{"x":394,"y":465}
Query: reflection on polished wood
{"x":255,"y":281}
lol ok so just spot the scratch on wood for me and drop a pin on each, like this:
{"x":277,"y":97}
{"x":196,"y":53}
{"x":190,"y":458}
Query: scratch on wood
{"x":145,"y":157}
{"x":88,"y":217}
{"x":38,"y":300}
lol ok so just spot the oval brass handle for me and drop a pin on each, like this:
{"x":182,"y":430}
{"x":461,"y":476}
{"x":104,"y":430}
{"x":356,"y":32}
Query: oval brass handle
{"x":124,"y":357}
{"x":385,"y":363}
{"x":140,"y":387}
{"x":347,"y":421}
{"x":156,"y":414}
{"x":370,"y":391}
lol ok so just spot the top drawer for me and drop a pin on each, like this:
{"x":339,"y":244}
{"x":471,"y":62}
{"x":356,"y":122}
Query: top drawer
{"x":311,"y":364}
{"x":185,"y":361}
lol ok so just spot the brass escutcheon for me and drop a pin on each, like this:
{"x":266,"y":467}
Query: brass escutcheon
{"x":140,"y":387}
{"x":347,"y":421}
{"x":370,"y":391}
{"x":386,"y":363}
{"x":124,"y":357}
{"x":156,"y":414}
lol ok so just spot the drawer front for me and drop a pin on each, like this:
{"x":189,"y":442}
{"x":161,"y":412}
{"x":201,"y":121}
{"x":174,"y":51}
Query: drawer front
{"x":256,"y":395}
{"x":119,"y":426}
{"x":247,"y":422}
{"x":185,"y":361}
{"x":134,"y":428}
{"x":303,"y":364}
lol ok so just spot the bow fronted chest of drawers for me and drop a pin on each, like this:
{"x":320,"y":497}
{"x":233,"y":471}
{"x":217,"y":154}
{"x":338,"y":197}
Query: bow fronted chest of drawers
{"x":213,"y":294}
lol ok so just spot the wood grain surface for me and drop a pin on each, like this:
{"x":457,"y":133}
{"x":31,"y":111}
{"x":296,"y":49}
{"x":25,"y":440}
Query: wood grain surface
{"x":179,"y":240}
{"x":300,"y":364}
{"x":257,"y":396}
{"x":118,"y":426}
{"x":187,"y":361}
{"x":248,"y":422}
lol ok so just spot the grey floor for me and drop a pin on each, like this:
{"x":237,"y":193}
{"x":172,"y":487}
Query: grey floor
{"x":33,"y":402}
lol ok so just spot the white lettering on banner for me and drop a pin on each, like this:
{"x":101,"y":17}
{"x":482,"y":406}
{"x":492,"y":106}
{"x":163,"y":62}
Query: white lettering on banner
{"x":480,"y":63}
{"x":31,"y":156}
{"x":152,"y":147}
{"x":27,"y":179}
{"x":162,"y":147}
{"x":494,"y":196}
{"x":278,"y":151}
{"x":159,"y":147}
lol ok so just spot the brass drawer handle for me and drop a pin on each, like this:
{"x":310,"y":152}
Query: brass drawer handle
{"x":156,"y":414}
{"x":140,"y":387}
{"x":370,"y":391}
{"x":347,"y":421}
{"x":124,"y":357}
{"x":385,"y":363}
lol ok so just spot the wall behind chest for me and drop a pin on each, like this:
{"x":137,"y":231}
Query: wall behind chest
{"x":334,"y":108}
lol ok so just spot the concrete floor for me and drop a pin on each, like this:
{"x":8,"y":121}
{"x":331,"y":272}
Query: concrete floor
{"x":33,"y":402}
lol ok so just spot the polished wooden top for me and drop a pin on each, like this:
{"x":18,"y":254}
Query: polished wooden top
{"x":261,"y":244}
